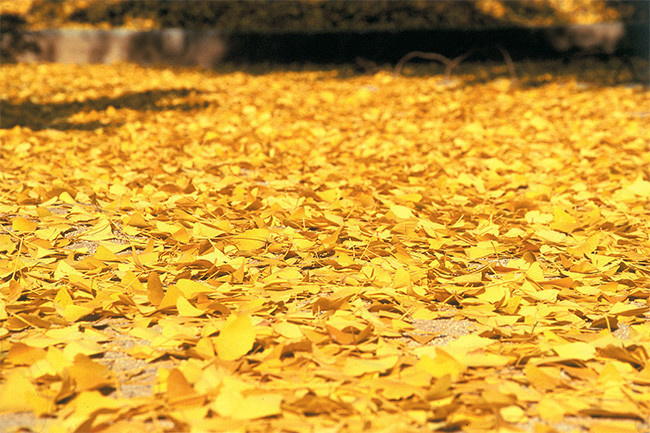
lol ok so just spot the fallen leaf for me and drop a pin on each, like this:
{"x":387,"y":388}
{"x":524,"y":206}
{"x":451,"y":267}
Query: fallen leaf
{"x":235,"y":339}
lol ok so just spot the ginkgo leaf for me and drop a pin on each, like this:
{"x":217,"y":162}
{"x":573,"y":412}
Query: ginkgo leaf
{"x":205,"y":348}
{"x":541,"y":378}
{"x":551,"y":410}
{"x":251,"y":239}
{"x":588,"y":246}
{"x":21,"y":224}
{"x":535,"y":272}
{"x":563,"y":221}
{"x":137,"y":220}
{"x":401,"y":211}
{"x":89,"y":375}
{"x":402,"y":278}
{"x":185,"y":309}
{"x":551,"y":235}
{"x":358,"y":367}
{"x":84,"y":347}
{"x":201,"y":230}
{"x":288,"y":330}
{"x":192,"y":288}
{"x":73,"y":312}
{"x":495,"y":293}
{"x":227,"y":402}
{"x":624,"y":309}
{"x":18,"y":394}
{"x":258,"y":406}
{"x":513,"y":414}
{"x":90,"y":402}
{"x":104,"y":254}
{"x":440,"y":365}
{"x":155,"y":291}
{"x":99,"y":232}
{"x":177,"y":386}
{"x":578,"y":350}
{"x":22,"y":354}
{"x":639,"y":187}
{"x":171,"y":296}
{"x":235,"y":339}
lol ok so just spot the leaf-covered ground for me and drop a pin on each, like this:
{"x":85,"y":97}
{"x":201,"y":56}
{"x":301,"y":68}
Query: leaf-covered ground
{"x":183,"y":250}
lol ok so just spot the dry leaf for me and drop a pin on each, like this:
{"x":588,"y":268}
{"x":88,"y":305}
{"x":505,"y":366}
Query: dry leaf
{"x":235,"y":339}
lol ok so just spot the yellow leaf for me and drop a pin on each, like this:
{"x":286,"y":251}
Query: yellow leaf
{"x":481,"y":250}
{"x":481,"y":358}
{"x":204,"y":348}
{"x":535,"y":272}
{"x":358,"y":366}
{"x":155,"y":291}
{"x":65,"y":197}
{"x":88,"y":403}
{"x":192,"y":288}
{"x":258,"y":406}
{"x":288,"y":330}
{"x":539,"y":123}
{"x":205,"y":231}
{"x":105,"y":255}
{"x":185,"y":309}
{"x":542,"y":378}
{"x":210,"y":136}
{"x":587,"y":247}
{"x":402,"y":278}
{"x":89,"y":375}
{"x":547,"y":295}
{"x":182,"y":235}
{"x":578,"y":350}
{"x":286,"y":274}
{"x":132,"y":282}
{"x":227,"y":402}
{"x":495,"y":294}
{"x":252,"y":239}
{"x":137,"y":220}
{"x":401,"y":212}
{"x":72,"y":312}
{"x":171,"y":296}
{"x":551,"y":410}
{"x":330,"y":195}
{"x":441,"y":364}
{"x":177,"y":386}
{"x":562,"y":221}
{"x":639,"y":188}
{"x":84,"y":347}
{"x":99,"y":232}
{"x":475,"y":277}
{"x":236,"y":338}
{"x":21,"y":224}
{"x":22,"y":354}
{"x":623,"y":309}
{"x":551,"y":236}
{"x":18,"y":394}
{"x":513,"y":414}
{"x":425,"y":314}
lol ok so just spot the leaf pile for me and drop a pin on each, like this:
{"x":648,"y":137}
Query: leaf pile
{"x":300,"y":251}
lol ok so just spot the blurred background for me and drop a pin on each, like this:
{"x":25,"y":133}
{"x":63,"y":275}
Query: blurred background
{"x":367,"y":33}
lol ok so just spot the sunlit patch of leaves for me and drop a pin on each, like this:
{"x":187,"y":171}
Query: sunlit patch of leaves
{"x":298,"y":251}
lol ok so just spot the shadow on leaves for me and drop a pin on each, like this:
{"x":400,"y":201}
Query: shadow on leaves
{"x":50,"y":115}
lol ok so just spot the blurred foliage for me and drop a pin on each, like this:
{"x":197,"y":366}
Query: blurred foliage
{"x":324,"y":15}
{"x":14,"y":40}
